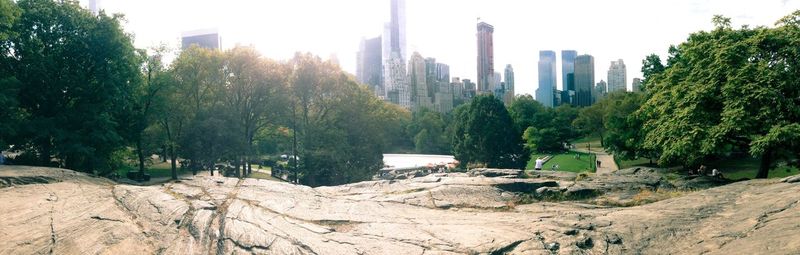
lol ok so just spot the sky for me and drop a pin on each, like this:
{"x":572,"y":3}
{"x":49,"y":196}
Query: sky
{"x":445,"y":29}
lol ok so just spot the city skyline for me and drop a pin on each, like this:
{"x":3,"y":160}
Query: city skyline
{"x":435,"y":29}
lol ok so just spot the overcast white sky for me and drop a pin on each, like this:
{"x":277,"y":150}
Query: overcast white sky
{"x":445,"y":29}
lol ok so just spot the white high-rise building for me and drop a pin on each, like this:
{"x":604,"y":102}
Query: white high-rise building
{"x":617,"y":76}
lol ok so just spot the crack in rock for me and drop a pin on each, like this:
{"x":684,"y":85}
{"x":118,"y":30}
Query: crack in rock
{"x":97,"y":217}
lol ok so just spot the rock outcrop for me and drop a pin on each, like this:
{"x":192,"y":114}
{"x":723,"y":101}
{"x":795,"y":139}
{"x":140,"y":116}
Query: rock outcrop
{"x":55,"y":211}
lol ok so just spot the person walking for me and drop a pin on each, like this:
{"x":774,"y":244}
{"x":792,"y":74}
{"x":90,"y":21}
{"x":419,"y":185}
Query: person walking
{"x":598,"y":163}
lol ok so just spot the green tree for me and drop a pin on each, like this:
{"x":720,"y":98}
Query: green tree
{"x":428,"y":129}
{"x":527,"y":112}
{"x":623,"y":127}
{"x":726,"y":91}
{"x":486,"y":134}
{"x":253,"y":96}
{"x":651,"y":65}
{"x":591,"y":120}
{"x":194,"y":90}
{"x":563,"y":117}
{"x":396,"y":120}
{"x":338,"y":124}
{"x":76,"y":74}
{"x":10,"y":113}
{"x":140,"y":114}
{"x":543,"y":140}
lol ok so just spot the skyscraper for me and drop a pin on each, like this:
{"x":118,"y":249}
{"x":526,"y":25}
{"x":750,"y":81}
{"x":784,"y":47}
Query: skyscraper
{"x":600,"y":91}
{"x":206,"y":38}
{"x":617,"y":76}
{"x":637,"y":85}
{"x":419,"y":89}
{"x":547,"y":77}
{"x":509,"y":85}
{"x":567,"y":67}
{"x":458,"y":91}
{"x":93,"y":6}
{"x":469,"y":89}
{"x":394,"y":34}
{"x":394,"y":54}
{"x":584,"y":79}
{"x":497,"y":85}
{"x":485,"y":57}
{"x":568,"y":76}
{"x":369,"y":65}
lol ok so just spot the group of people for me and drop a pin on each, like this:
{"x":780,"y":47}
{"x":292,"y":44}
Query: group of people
{"x":540,"y":163}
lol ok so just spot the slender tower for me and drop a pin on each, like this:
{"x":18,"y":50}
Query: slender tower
{"x":485,"y":58}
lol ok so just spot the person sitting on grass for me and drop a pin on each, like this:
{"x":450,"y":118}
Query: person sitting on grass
{"x":702,"y":170}
{"x":716,"y":173}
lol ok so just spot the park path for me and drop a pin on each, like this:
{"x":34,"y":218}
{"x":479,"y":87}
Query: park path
{"x":607,"y":163}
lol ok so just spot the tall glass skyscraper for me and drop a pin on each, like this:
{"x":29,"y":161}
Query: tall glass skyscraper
{"x":394,"y":56}
{"x":567,"y":67}
{"x":369,"y":65}
{"x":584,"y":80}
{"x":568,"y":76}
{"x":485,"y":57}
{"x":547,"y":78}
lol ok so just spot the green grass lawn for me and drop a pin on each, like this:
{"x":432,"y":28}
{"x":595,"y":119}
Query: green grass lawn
{"x":158,"y":170}
{"x":588,"y":143}
{"x":263,"y":176}
{"x":747,"y":167}
{"x":566,"y":162}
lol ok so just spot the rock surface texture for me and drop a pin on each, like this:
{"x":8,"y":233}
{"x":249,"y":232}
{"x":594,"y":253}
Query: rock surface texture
{"x":55,"y":211}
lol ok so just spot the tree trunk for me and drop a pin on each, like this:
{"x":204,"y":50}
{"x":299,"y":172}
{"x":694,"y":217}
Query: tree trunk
{"x":238,"y":161}
{"x":602,"y":141}
{"x":140,"y":153}
{"x":44,"y":155}
{"x":249,"y":168}
{"x":173,"y":157}
{"x":766,"y":162}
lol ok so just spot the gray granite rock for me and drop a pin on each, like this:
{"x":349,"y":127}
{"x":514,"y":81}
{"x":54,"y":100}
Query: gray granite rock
{"x":48,"y":210}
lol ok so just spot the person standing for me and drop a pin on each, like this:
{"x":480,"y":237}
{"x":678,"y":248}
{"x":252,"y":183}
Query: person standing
{"x":598,"y":164}
{"x":539,"y":163}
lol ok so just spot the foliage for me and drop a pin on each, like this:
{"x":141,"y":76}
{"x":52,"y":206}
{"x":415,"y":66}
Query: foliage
{"x":527,"y":112}
{"x":428,"y":130}
{"x":725,"y":91}
{"x":485,"y":133}
{"x":339,"y":130}
{"x":76,"y":74}
{"x":591,"y":120}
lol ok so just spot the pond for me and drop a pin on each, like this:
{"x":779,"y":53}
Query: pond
{"x":412,"y":160}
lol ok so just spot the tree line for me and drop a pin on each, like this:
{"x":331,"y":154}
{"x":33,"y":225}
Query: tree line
{"x":77,"y":94}
{"x":724,"y":93}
